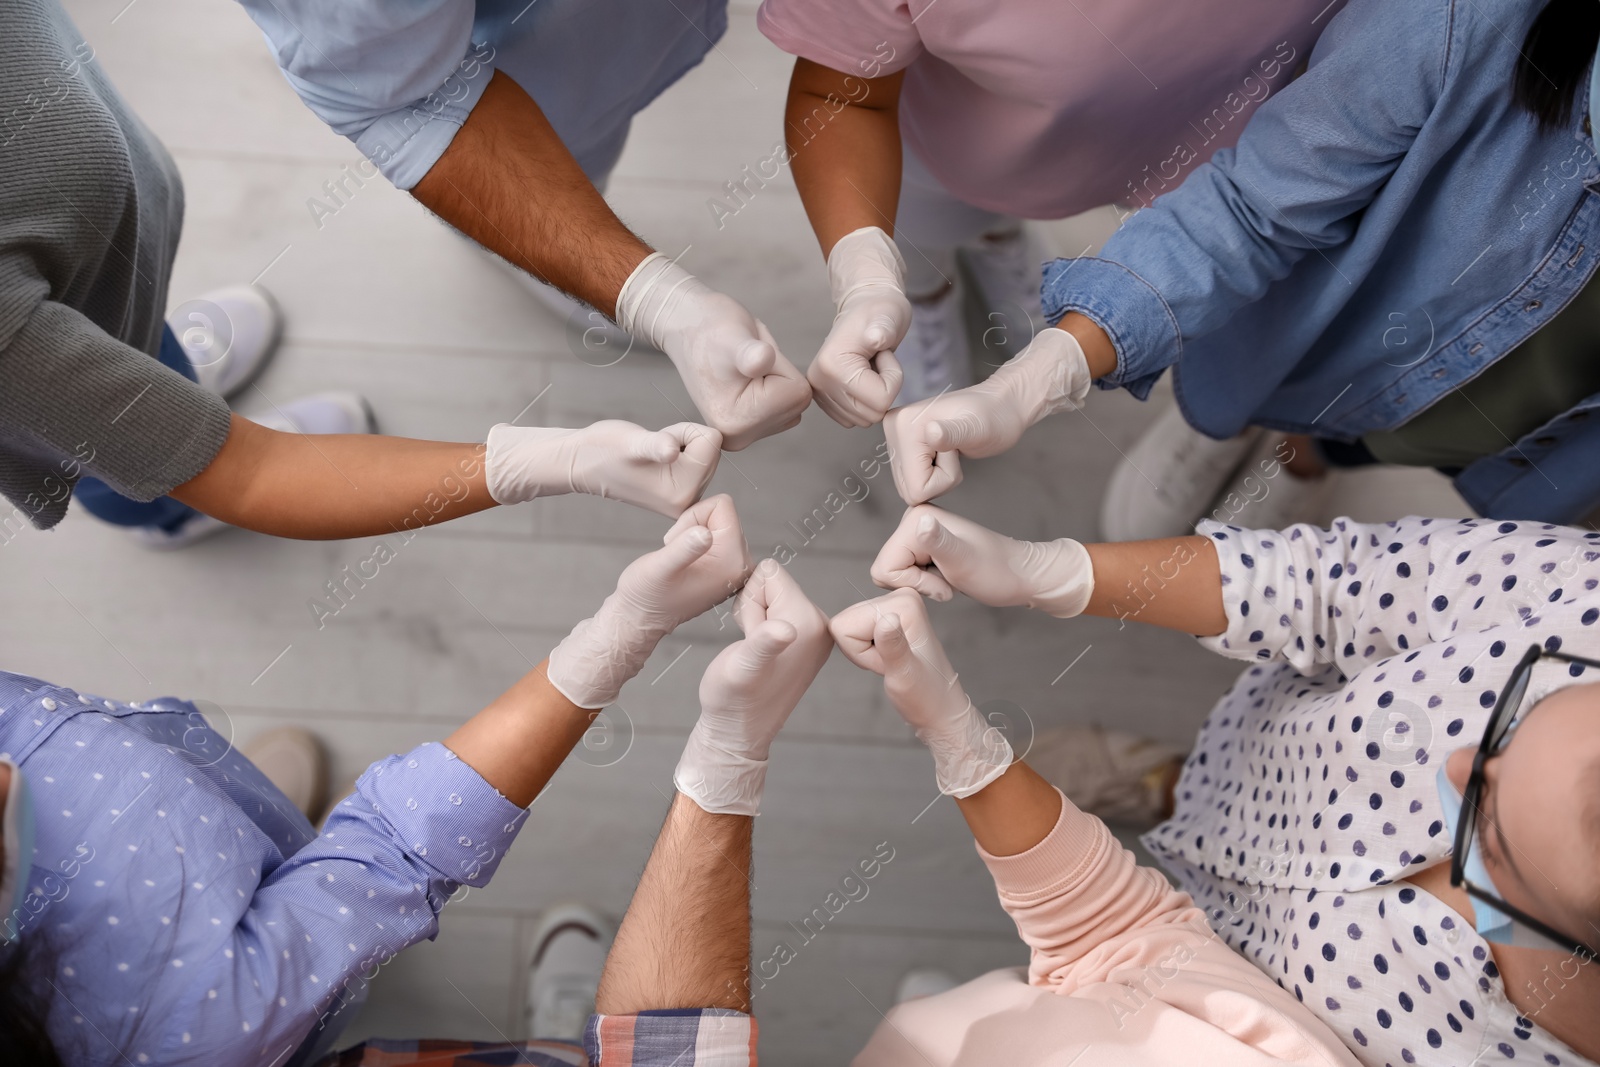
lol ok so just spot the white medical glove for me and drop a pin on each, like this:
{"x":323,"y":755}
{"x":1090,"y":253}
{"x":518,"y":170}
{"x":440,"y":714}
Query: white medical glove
{"x":659,"y":470}
{"x":927,"y":439}
{"x":749,"y":690}
{"x":891,"y":636}
{"x":855,"y":376}
{"x":937,"y":553}
{"x":732,"y":367}
{"x":705,"y":561}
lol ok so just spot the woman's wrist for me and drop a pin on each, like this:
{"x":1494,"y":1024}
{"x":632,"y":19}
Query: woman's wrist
{"x":1013,"y":813}
{"x":1098,"y":350}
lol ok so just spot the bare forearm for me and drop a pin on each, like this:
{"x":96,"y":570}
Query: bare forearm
{"x":517,"y":742}
{"x":1013,"y":813}
{"x":327,"y":486}
{"x":1175,"y":582}
{"x":509,"y":183}
{"x":843,"y":135}
{"x":685,"y":941}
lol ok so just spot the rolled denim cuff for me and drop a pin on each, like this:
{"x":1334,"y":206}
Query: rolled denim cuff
{"x":1128,"y":308}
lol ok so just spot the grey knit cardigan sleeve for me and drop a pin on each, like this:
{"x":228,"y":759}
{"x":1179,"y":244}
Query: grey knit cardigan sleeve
{"x":91,"y":207}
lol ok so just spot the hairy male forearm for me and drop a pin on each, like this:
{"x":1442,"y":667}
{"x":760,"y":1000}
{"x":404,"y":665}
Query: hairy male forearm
{"x":509,"y":183}
{"x":685,"y":941}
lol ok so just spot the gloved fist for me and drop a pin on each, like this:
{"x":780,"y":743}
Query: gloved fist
{"x":749,"y":690}
{"x":659,"y":470}
{"x":891,"y":636}
{"x":927,"y":439}
{"x":705,"y":561}
{"x":732,"y":367}
{"x":937,"y":553}
{"x":855,"y":376}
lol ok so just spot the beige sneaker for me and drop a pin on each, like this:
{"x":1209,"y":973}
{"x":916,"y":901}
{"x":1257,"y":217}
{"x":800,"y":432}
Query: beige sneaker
{"x":1120,"y":777}
{"x":294,"y":761}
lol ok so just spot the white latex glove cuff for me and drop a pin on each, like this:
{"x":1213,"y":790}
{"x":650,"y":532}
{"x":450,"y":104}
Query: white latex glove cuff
{"x":516,"y":473}
{"x":720,"y":781}
{"x":969,"y":756}
{"x":593,"y":662}
{"x":1069,"y":580}
{"x":1049,"y":376}
{"x":864,"y":259}
{"x":650,"y":297}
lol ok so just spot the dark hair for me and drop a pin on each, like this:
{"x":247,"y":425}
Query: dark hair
{"x":23,"y":1010}
{"x":1555,"y":55}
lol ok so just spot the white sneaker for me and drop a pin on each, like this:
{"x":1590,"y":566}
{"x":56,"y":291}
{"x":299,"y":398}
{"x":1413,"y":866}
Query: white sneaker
{"x":197,"y":527}
{"x":1168,"y":479}
{"x":1006,"y":272}
{"x":923,"y":982}
{"x":569,"y":952}
{"x":337,"y":412}
{"x":935,"y":354}
{"x":1263,"y":495}
{"x":228,"y":334}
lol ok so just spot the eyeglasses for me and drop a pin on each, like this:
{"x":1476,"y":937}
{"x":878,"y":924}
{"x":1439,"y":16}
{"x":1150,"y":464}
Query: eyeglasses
{"x":1507,"y":714}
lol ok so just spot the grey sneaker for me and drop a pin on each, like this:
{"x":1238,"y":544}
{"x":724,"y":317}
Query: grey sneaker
{"x":294,"y":761}
{"x":935,"y":353}
{"x":569,"y":952}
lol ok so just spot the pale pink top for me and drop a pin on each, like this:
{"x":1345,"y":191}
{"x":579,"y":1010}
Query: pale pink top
{"x":1125,"y":973}
{"x":1045,"y":108}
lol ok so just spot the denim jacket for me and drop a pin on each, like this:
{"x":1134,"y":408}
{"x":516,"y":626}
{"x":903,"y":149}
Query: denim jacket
{"x":1389,"y":225}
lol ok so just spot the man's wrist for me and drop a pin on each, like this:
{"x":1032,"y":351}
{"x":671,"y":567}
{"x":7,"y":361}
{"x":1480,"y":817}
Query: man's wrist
{"x":649,"y":299}
{"x":719,"y":781}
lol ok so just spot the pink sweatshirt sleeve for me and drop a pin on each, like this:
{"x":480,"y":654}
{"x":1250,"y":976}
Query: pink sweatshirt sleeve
{"x":1075,"y":891}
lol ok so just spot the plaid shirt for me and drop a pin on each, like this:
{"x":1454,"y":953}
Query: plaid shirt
{"x":707,"y":1037}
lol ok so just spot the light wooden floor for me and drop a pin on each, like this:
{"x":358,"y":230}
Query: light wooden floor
{"x":383,"y":299}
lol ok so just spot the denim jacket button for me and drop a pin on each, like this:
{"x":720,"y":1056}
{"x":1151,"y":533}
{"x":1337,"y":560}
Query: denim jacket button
{"x":1546,"y":440}
{"x":1519,"y":463}
{"x":1578,"y":416}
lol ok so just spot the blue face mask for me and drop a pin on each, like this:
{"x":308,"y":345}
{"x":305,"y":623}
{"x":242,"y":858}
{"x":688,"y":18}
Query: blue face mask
{"x":17,"y":826}
{"x":1594,"y":90}
{"x":1493,"y":924}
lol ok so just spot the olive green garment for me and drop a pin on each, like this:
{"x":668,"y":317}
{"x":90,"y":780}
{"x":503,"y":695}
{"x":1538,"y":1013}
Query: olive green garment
{"x":1546,"y":375}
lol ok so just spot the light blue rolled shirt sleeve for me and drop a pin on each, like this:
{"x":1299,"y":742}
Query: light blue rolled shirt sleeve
{"x":397,"y":77}
{"x":1310,"y":161}
{"x":418,"y":827}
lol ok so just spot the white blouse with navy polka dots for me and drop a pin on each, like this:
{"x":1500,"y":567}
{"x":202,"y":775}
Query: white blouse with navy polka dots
{"x":1311,"y":793}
